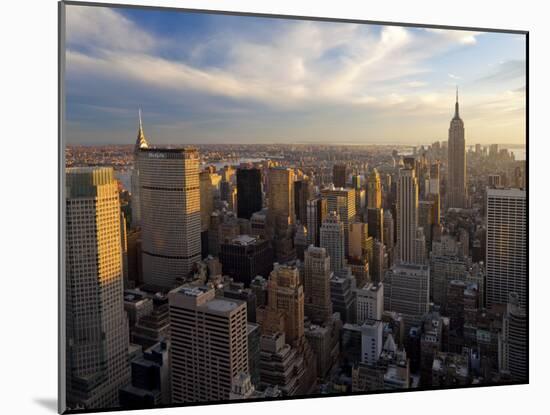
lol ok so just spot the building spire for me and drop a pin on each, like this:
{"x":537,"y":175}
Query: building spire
{"x":141,"y":141}
{"x":456,"y":104}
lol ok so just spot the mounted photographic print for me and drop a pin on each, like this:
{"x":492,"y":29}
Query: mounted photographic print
{"x":265,"y":207}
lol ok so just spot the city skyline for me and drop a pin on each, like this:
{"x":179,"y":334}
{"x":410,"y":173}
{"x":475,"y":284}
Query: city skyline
{"x":208,"y":273}
{"x":239,"y":79}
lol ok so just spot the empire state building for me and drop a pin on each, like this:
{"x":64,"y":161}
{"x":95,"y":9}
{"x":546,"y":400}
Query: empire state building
{"x":456,"y":191}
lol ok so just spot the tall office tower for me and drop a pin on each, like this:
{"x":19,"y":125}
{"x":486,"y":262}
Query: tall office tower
{"x":379,"y":262}
{"x":360,"y":269}
{"x":514,"y":340}
{"x":316,"y":214}
{"x":209,"y":344}
{"x":372,"y":335}
{"x":388,"y":232}
{"x":342,"y":287}
{"x":356,"y":181}
{"x":300,"y":241}
{"x":253,"y":336}
{"x":285,"y":304}
{"x":407,"y":215}
{"x":332,"y":239}
{"x":206,"y":199}
{"x":359,"y":240}
{"x":434,"y":180}
{"x":375,"y":219}
{"x":280,"y":215}
{"x":303,"y":191}
{"x":341,"y":201}
{"x":141,"y":142}
{"x":97,"y":326}
{"x":170,"y":214}
{"x":407,"y":291}
{"x":457,"y":186}
{"x":369,"y":302}
{"x":339,"y":175}
{"x":317,"y":275}
{"x":374,"y":190}
{"x":245,"y":257}
{"x":506,"y":245}
{"x":360,"y":201}
{"x":425,"y":219}
{"x":249,"y":192}
{"x":207,"y":207}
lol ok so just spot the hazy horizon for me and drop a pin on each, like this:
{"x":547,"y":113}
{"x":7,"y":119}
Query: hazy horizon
{"x":223,"y":79}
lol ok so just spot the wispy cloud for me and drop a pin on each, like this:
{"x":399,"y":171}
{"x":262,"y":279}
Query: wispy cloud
{"x":297,"y":68}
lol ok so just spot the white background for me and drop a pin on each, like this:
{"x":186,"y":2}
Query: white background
{"x":28,"y":202}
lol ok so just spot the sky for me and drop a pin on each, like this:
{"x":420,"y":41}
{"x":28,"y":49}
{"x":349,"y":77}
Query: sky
{"x":207,"y":78}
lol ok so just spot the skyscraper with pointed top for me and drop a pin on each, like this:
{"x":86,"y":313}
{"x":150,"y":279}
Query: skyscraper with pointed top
{"x":456,"y":190}
{"x":141,"y":142}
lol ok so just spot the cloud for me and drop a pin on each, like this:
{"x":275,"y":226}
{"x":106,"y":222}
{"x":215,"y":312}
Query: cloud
{"x":283,"y":72}
{"x":305,"y":62}
{"x":101,"y":27}
{"x":506,"y":71}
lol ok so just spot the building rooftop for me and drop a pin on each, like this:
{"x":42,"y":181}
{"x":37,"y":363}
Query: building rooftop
{"x":222,"y":305}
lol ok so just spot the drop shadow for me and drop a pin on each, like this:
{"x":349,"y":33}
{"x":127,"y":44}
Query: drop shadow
{"x":48,"y":403}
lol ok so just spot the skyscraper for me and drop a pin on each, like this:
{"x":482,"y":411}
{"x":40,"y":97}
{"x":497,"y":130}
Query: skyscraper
{"x":407,"y":291}
{"x":280,"y":214}
{"x":456,"y":190}
{"x":332,"y":239}
{"x":341,"y":201}
{"x":369,"y":302}
{"x":303,"y":191}
{"x":249,"y":192}
{"x":514,"y":340}
{"x":97,"y":326}
{"x":317,"y":275}
{"x":285,"y":304}
{"x":244,"y":257}
{"x":407,"y":215}
{"x":141,"y":142}
{"x":209,"y":344}
{"x":170,"y":209}
{"x":506,"y":246}
{"x":316,"y":214}
{"x":339,"y":175}
{"x":374,"y":190}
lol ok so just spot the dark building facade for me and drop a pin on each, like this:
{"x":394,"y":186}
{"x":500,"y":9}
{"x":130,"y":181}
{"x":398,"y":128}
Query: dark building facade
{"x":245,"y":257}
{"x":249,"y":192}
{"x":303,"y":190}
